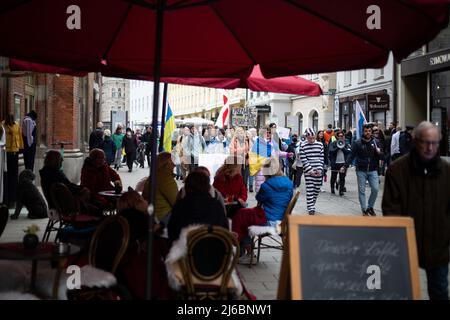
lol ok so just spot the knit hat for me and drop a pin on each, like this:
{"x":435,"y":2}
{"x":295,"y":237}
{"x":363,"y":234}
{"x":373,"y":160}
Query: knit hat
{"x":310,"y":132}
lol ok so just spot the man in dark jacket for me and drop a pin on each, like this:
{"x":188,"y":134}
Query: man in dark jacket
{"x":147,"y":139}
{"x":367,"y":151}
{"x":96,"y":137}
{"x":418,"y":185}
{"x":339,"y":154}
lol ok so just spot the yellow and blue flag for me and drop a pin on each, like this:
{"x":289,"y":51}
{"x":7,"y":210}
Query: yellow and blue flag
{"x":168,"y":130}
{"x":261,"y":151}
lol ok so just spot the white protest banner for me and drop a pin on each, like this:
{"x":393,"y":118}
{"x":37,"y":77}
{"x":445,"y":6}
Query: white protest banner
{"x":283,"y":133}
{"x":212,"y":161}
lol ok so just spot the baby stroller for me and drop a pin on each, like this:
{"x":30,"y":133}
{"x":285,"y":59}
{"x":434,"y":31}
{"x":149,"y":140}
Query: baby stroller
{"x":140,"y":155}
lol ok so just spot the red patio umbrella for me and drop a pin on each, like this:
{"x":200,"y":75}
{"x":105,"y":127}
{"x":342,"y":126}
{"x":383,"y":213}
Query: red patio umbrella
{"x":255,"y":82}
{"x":215,"y":38}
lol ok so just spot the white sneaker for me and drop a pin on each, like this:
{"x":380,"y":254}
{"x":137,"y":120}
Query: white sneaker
{"x":245,"y":259}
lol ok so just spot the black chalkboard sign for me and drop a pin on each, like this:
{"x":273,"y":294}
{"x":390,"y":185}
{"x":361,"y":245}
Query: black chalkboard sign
{"x":353,"y":258}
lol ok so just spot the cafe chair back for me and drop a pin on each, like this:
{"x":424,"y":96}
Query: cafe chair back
{"x":201,"y":264}
{"x":109,"y":243}
{"x":267,"y":237}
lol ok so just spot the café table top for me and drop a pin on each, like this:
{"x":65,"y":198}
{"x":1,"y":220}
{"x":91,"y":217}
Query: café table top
{"x":43,"y":251}
{"x":111,"y":193}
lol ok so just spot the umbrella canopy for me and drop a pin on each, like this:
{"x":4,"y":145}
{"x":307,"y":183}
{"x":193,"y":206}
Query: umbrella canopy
{"x":255,"y":82}
{"x":217,"y":38}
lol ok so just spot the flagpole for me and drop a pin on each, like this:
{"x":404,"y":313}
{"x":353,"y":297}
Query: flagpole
{"x":163,"y":118}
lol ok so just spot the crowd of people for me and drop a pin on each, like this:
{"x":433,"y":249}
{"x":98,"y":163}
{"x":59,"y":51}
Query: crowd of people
{"x":417,"y":182}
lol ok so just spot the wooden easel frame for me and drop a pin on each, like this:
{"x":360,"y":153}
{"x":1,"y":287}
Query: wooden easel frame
{"x":348,"y":221}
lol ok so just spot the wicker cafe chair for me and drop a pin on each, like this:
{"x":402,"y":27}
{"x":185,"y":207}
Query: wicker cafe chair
{"x":68,"y":209}
{"x":205,"y":265}
{"x":108,"y":246}
{"x":277,"y":237}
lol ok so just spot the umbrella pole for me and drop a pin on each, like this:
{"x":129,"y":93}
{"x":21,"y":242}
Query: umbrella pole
{"x":163,"y":117}
{"x":156,"y":79}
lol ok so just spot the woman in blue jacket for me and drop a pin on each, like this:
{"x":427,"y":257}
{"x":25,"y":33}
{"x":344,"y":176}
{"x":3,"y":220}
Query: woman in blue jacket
{"x":273,"y":198}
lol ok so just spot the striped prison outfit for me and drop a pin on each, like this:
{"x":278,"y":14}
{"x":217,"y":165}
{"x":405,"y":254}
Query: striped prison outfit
{"x":312,"y":157}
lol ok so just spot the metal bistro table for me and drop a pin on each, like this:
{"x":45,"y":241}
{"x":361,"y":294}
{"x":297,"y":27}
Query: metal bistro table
{"x":112,"y":198}
{"x":43,"y":251}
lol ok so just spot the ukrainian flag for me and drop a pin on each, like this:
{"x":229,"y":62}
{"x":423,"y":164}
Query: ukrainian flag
{"x":260,"y":152}
{"x":168,"y":130}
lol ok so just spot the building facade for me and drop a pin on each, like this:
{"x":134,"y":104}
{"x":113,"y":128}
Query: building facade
{"x":191,"y":101}
{"x":115,"y":101}
{"x":67,"y":108}
{"x":424,"y":87}
{"x":373,"y":89}
{"x":313,"y":112}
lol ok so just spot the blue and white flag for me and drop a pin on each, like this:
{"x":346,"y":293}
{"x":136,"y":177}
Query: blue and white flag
{"x":360,"y":120}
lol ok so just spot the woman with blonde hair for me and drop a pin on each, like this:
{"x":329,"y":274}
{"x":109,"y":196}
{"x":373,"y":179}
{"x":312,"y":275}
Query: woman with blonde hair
{"x":229,"y":182}
{"x":240,"y":146}
{"x":166,"y":188}
{"x":14,"y":143}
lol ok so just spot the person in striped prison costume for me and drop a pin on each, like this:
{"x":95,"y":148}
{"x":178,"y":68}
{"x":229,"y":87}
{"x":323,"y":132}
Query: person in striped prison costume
{"x":312,"y":157}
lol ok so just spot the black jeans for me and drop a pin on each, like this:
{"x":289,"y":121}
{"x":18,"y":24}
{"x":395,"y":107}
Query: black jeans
{"x":437,"y":283}
{"x":12,"y":162}
{"x":334,"y":173}
{"x":298,"y":177}
{"x":130,"y":160}
{"x":29,"y":154}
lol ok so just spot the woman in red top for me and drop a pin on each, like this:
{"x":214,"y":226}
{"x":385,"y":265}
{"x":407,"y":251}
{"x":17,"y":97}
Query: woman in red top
{"x":97,"y":175}
{"x":229,"y":182}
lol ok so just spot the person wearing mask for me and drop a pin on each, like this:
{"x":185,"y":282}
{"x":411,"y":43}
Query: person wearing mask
{"x":328,"y":134}
{"x":14,"y":143}
{"x":266,"y":146}
{"x":129,"y":144}
{"x":29,"y":132}
{"x":312,"y":157}
{"x":418,"y":185}
{"x":109,"y":147}
{"x":117,"y":137}
{"x":96,"y":137}
{"x":196,"y":207}
{"x":367,"y":152}
{"x":339,"y":155}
